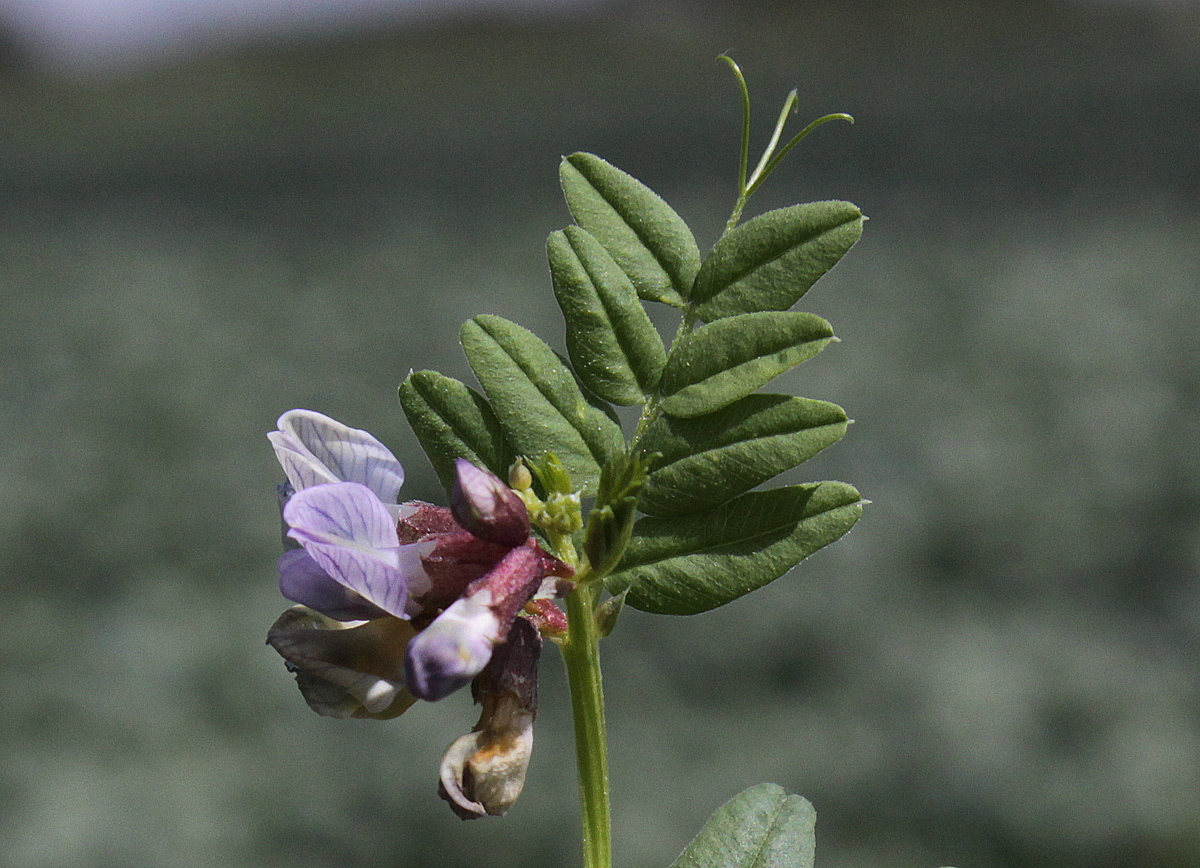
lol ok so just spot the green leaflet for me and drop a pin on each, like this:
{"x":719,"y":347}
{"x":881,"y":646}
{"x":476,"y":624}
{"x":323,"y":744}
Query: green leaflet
{"x":728,"y":359}
{"x":709,"y":459}
{"x":769,"y":262}
{"x":693,"y":563}
{"x":614,"y":348}
{"x":761,"y":827}
{"x":650,"y":242}
{"x":537,"y":400}
{"x":453,"y":421}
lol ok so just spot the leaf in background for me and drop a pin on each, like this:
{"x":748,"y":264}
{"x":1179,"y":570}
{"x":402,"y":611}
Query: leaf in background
{"x":761,"y":827}
{"x":650,"y":242}
{"x":614,"y":348}
{"x":769,"y":262}
{"x":709,"y":459}
{"x":693,"y":563}
{"x":452,"y":421}
{"x":730,"y":358}
{"x":537,"y":400}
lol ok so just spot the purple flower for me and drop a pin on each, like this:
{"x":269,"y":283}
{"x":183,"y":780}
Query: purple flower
{"x":342,"y":511}
{"x":412,"y":601}
{"x":456,"y":646}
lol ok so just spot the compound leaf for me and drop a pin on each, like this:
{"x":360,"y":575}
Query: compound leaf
{"x":693,"y":563}
{"x":539,"y":404}
{"x":650,"y":242}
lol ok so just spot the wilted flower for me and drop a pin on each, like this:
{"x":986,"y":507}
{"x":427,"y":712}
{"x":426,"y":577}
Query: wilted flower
{"x":484,"y":771}
{"x":412,"y":601}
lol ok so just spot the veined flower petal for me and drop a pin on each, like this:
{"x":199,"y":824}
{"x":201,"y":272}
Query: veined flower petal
{"x":314,"y":449}
{"x":302,"y":580}
{"x":347,"y":530}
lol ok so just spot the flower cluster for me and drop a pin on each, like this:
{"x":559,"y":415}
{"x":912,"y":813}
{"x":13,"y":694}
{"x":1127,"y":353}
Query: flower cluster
{"x":406,"y":601}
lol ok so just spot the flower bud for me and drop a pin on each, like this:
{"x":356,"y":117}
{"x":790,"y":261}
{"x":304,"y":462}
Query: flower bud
{"x":519,"y":476}
{"x":487,"y":507}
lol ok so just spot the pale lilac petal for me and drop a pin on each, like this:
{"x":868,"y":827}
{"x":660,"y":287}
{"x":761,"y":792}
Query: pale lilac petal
{"x":453,"y":649}
{"x":302,"y":580}
{"x":299,"y":466}
{"x":314,"y":449}
{"x":351,"y":535}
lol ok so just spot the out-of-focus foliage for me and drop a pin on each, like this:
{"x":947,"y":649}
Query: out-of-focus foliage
{"x":186,"y":252}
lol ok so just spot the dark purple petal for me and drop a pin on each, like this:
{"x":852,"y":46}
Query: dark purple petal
{"x":349,"y":532}
{"x":487,"y":507}
{"x":302,"y":580}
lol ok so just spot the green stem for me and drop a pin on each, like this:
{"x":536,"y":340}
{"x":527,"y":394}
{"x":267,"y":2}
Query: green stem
{"x":581,"y":652}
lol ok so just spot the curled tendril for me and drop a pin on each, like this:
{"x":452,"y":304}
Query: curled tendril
{"x":770,"y":159}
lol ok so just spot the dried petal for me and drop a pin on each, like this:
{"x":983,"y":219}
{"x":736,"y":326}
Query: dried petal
{"x":484,"y":772}
{"x":345,"y":671}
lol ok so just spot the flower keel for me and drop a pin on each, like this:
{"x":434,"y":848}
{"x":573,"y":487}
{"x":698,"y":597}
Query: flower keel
{"x":483,"y":772}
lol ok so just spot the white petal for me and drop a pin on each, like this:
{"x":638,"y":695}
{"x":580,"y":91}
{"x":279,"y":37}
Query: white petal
{"x":313,"y":448}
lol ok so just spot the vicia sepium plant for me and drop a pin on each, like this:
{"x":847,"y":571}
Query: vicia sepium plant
{"x":551,"y":501}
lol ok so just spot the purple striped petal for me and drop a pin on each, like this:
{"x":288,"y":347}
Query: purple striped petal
{"x":351,"y":535}
{"x":314,"y":449}
{"x":302,"y":580}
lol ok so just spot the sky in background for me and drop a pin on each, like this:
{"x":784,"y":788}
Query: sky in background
{"x":114,"y":32}
{"x":107,"y":32}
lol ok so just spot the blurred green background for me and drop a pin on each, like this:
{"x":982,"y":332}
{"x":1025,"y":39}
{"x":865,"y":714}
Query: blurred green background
{"x":998,"y":668}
